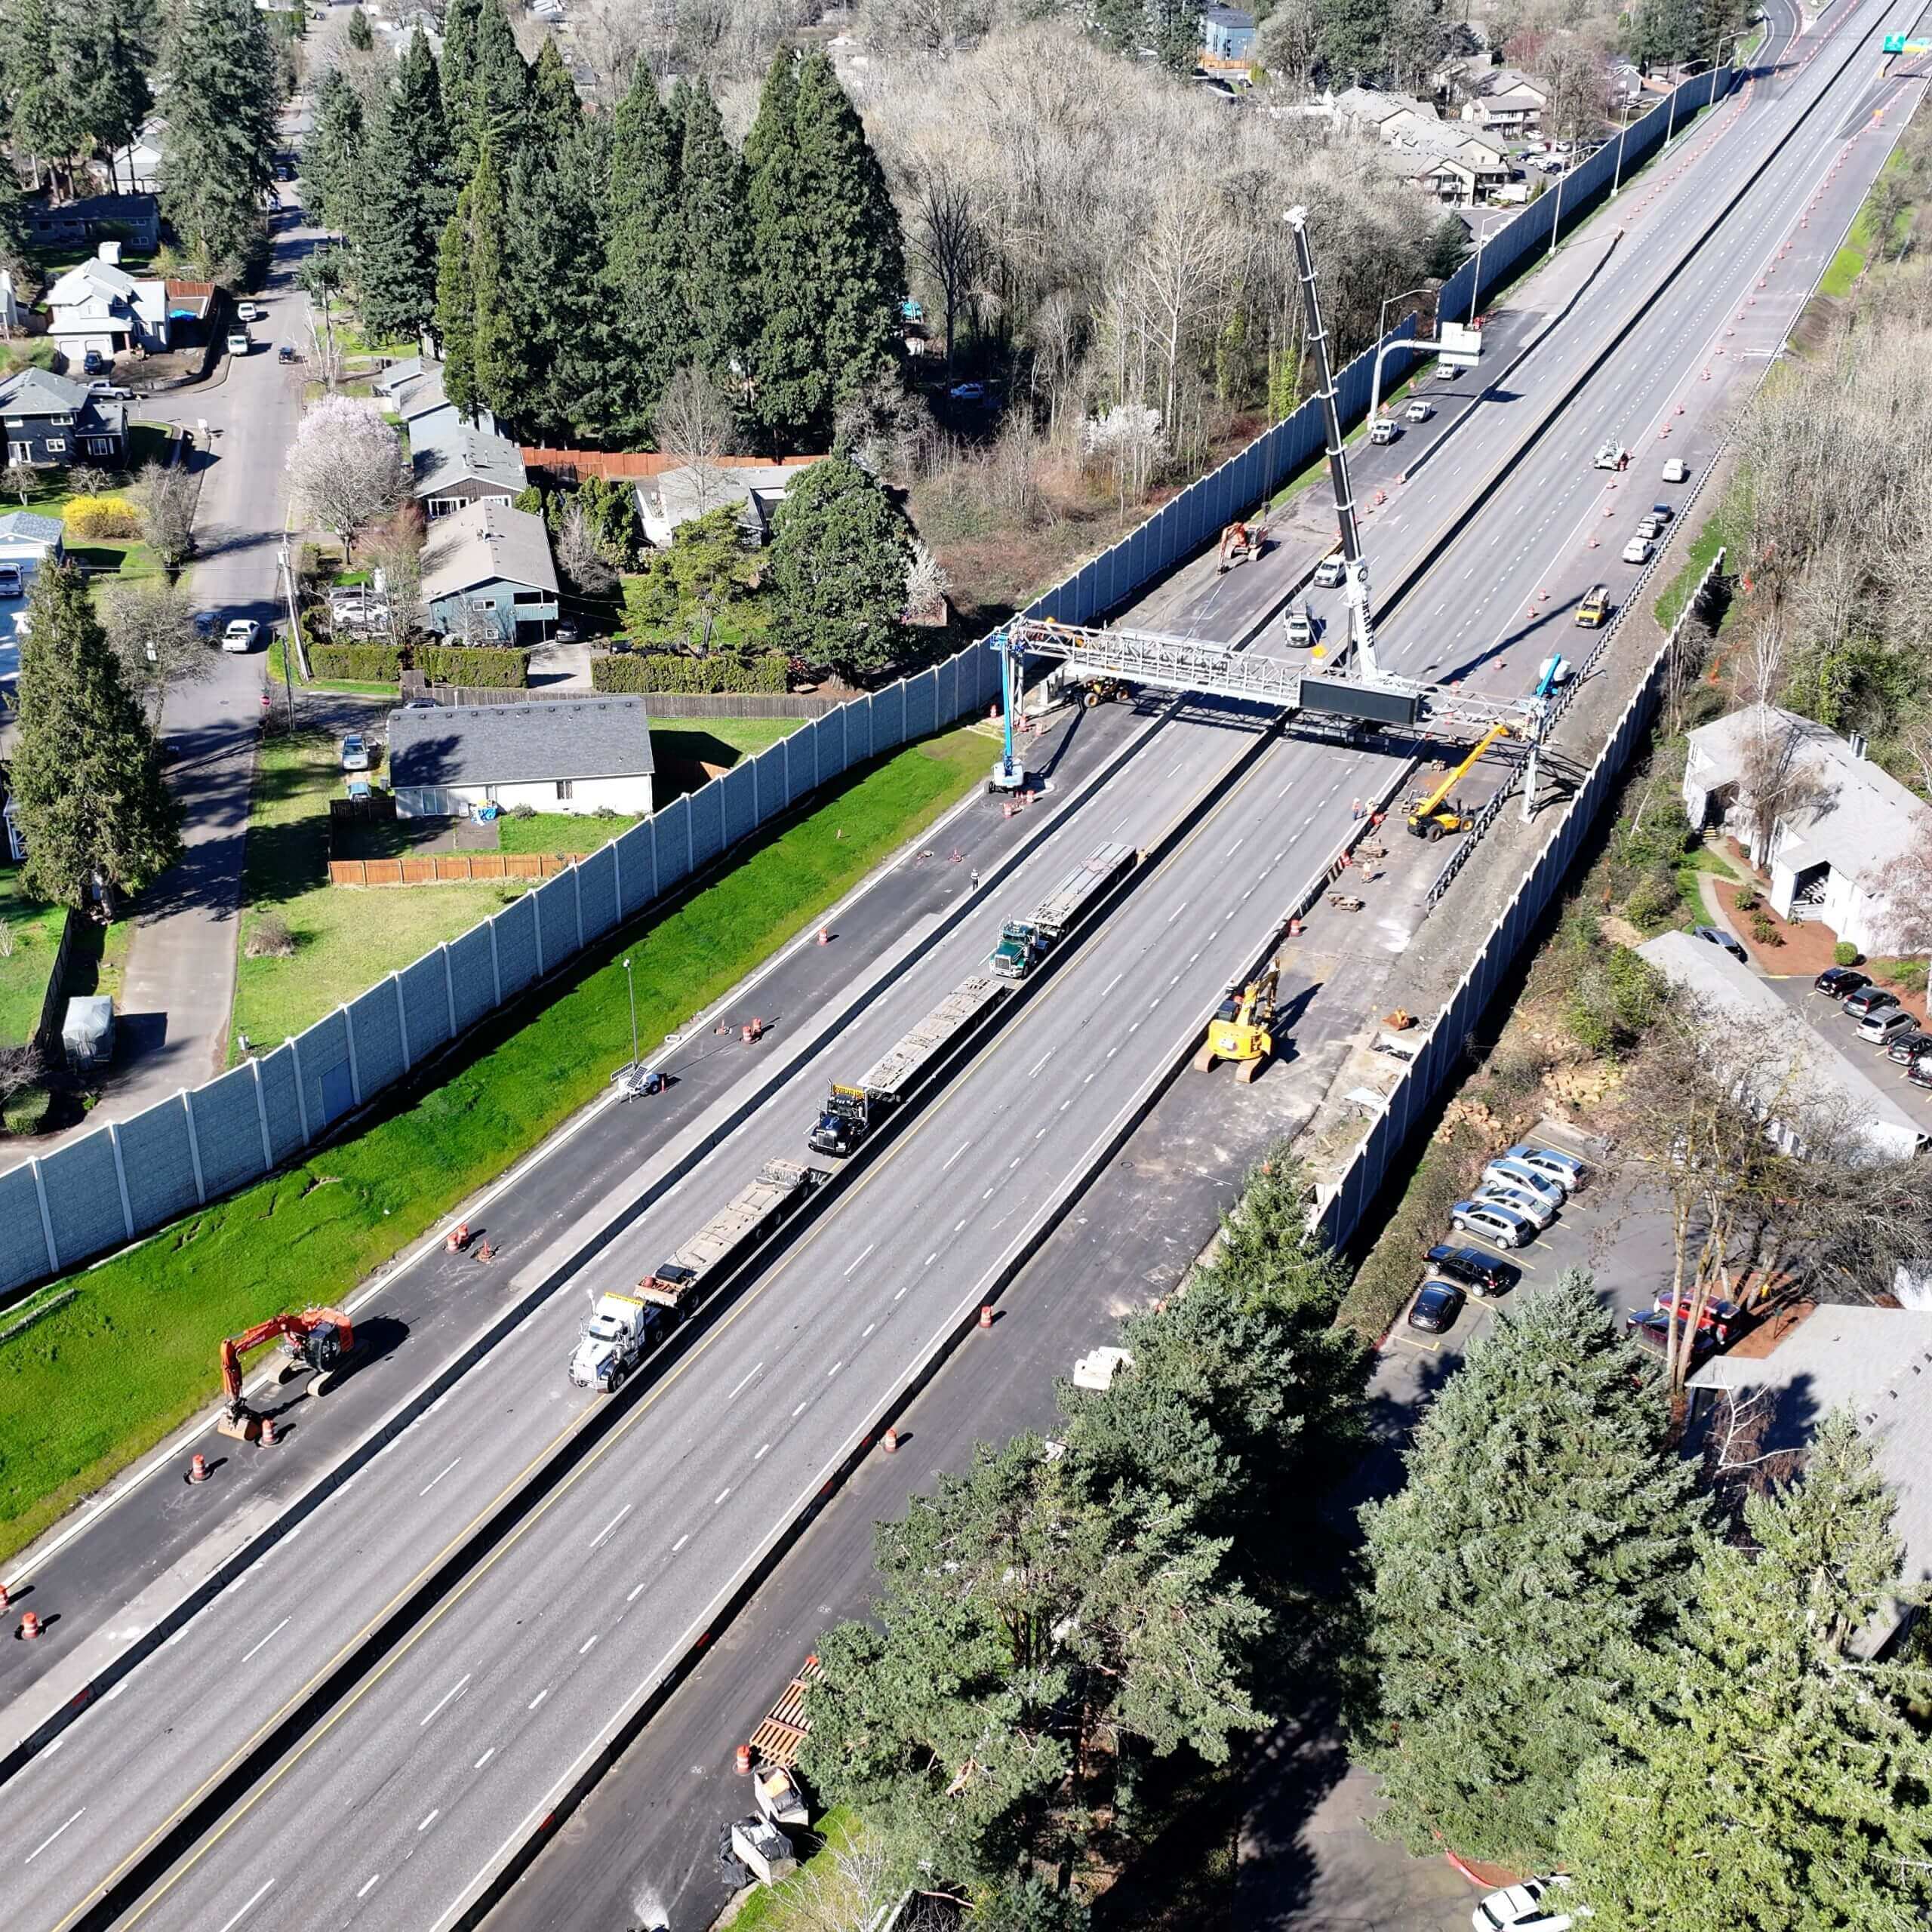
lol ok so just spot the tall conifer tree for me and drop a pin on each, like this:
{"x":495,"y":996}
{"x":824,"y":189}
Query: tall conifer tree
{"x":643,"y":255}
{"x":716,"y":240}
{"x":221,"y":104}
{"x":406,"y":201}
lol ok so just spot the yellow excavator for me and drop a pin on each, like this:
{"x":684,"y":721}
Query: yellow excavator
{"x":1239,"y":1032}
{"x":1436,"y":815}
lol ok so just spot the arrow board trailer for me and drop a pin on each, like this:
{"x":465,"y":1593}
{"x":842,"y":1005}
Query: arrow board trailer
{"x":851,"y":1111}
{"x":731,"y":1236}
{"x":1024,"y":942}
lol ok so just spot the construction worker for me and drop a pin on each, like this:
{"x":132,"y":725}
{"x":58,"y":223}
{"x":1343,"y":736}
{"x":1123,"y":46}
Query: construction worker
{"x":974,"y":884}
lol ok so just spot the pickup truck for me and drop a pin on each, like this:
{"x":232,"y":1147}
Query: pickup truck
{"x":1386,"y":430}
{"x":1611,"y":455}
{"x":618,"y":1335}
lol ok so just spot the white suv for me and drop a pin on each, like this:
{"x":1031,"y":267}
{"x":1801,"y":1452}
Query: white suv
{"x":1529,"y":1907}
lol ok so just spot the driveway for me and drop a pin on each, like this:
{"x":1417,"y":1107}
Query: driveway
{"x":180,"y":981}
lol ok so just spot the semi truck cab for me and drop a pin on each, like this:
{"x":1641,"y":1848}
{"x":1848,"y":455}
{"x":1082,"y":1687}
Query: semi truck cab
{"x":845,"y":1122}
{"x":1021,"y":943}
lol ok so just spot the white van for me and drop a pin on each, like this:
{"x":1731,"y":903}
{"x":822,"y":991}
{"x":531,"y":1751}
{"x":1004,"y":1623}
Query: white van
{"x":239,"y":343}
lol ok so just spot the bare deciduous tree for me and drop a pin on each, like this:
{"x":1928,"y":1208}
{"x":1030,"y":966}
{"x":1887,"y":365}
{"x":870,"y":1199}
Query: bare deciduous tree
{"x":167,"y":500}
{"x":694,"y":423}
{"x":946,"y":237}
{"x":583,"y":565}
{"x":346,"y":466}
{"x":394,"y":547}
{"x":151,"y":627}
{"x":20,"y":479}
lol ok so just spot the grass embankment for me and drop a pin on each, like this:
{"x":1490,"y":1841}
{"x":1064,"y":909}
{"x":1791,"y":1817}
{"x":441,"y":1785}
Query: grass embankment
{"x":32,"y":938}
{"x":87,"y":1390}
{"x":818,"y":1893}
{"x":1861,"y":240}
{"x":1721,"y":529}
{"x":345,"y":941}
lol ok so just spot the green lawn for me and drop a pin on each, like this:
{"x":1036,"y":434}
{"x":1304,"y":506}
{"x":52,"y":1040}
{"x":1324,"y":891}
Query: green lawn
{"x":566,"y":833}
{"x":345,"y":940}
{"x":34,"y":932}
{"x":718,"y":740}
{"x":1849,"y":263}
{"x":147,"y":442}
{"x":86,"y":1391}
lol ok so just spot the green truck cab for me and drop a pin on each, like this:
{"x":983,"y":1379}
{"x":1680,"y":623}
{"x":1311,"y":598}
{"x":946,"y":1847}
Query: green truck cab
{"x":1021,"y":943}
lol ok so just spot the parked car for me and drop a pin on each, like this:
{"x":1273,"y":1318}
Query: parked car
{"x":1904,"y":1048}
{"x":1663,"y":513}
{"x":1504,"y":1172}
{"x":1650,"y":1329}
{"x":1494,"y":1221}
{"x":1638,"y":550}
{"x":251,"y":312}
{"x":1298,"y":627}
{"x":1650,"y":526}
{"x":358,"y":791}
{"x":354,"y":753}
{"x":1884,"y":1024}
{"x":1481,"y":1274}
{"x":1720,"y":1319}
{"x":1594,"y":610}
{"x":1524,"y":1200}
{"x":973,"y":392}
{"x":1435,"y":1307}
{"x":1330,"y":574}
{"x":1920,"y":1071}
{"x":93,"y":362}
{"x":1836,"y":982}
{"x":1446,"y":372}
{"x":104,"y":391}
{"x":1732,"y":945}
{"x":205,"y":623}
{"x":1535,"y":1905}
{"x":1385,"y":431}
{"x":1420,"y":410}
{"x":286,"y":353}
{"x":241,"y":634}
{"x":1565,"y":1168}
{"x":11,"y":583}
{"x":1676,"y":470}
{"x":1868,"y":998}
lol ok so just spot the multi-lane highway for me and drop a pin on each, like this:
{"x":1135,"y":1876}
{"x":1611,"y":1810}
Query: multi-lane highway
{"x":440,"y":1760}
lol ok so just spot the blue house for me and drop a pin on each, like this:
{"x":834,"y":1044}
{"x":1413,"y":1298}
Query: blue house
{"x":1227,"y":35}
{"x":488,"y":575}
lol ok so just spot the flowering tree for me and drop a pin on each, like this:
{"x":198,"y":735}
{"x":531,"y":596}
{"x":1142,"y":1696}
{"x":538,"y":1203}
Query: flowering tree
{"x":346,"y":466}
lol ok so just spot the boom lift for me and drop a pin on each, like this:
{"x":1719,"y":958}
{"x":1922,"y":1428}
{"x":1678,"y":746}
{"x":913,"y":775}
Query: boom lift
{"x":316,"y":1342}
{"x":1240,"y":1031}
{"x":1429,"y":816}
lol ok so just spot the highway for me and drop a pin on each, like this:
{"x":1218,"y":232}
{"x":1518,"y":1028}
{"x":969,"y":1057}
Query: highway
{"x":480,"y":1713}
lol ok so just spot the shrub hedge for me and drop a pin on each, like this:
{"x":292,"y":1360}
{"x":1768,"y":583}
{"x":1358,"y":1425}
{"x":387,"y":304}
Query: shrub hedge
{"x":661,"y":671}
{"x":357,"y":663}
{"x":103,"y":516}
{"x":501,"y":667}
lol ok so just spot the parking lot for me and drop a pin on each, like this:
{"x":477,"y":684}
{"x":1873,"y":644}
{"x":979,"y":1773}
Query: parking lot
{"x":1830,"y":1022}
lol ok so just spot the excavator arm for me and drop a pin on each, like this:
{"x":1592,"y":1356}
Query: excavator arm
{"x":316,"y":1340}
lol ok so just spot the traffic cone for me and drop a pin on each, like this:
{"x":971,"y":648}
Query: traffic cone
{"x":985,"y":1315}
{"x":3,"y":1599}
{"x":29,"y":1626}
{"x":198,"y":1470}
{"x":824,"y":937}
{"x":744,"y":1760}
{"x":269,"y":1439}
{"x":889,"y":1442}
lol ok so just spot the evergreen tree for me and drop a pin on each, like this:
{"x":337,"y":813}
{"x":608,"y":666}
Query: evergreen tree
{"x":495,"y":340}
{"x":556,"y":110}
{"x":716,"y":225}
{"x":222,"y":102}
{"x":839,"y":560}
{"x":333,"y":174}
{"x":361,"y":36}
{"x":43,"y":94}
{"x":644,"y":255}
{"x":86,"y":776}
{"x":406,"y":200}
{"x":1448,"y":246}
{"x":1541,"y":1540}
{"x":788,"y":368}
{"x":457,"y":74}
{"x":112,"y":62}
{"x":1767,"y":1776}
{"x":498,"y":103}
{"x":13,"y":222}
{"x":1349,"y":37}
{"x":455,"y":311}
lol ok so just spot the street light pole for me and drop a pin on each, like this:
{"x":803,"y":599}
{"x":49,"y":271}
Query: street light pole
{"x":1623,"y":136}
{"x":630,"y":986}
{"x":1381,"y":316}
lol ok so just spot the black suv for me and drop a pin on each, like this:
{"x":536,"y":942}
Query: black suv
{"x":1906,"y":1049}
{"x":1475,"y":1269}
{"x":1835,"y":982}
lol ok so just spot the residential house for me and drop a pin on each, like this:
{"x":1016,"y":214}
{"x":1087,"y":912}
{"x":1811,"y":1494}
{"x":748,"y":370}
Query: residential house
{"x":135,"y":168}
{"x":557,"y":754}
{"x":99,"y":306}
{"x":1457,"y":173}
{"x":27,"y":540}
{"x":1791,"y":1056}
{"x":1387,"y":117}
{"x":1846,"y":822}
{"x":675,"y":496}
{"x":393,"y":377}
{"x":52,"y":419}
{"x":133,"y":220}
{"x":456,"y":463}
{"x":488,"y":575}
{"x":1807,"y":1361}
{"x":1227,"y":37}
{"x":1508,"y":102}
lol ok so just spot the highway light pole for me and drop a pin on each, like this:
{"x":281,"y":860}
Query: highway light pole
{"x":630,"y":987}
{"x":1381,"y":330}
{"x":1622,"y":135}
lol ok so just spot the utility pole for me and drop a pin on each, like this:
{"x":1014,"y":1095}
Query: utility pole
{"x":1354,"y":564}
{"x":288,"y":645}
{"x":1623,"y":136}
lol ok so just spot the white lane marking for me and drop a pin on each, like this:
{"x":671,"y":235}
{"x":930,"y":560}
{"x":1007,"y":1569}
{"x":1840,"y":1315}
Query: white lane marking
{"x":430,"y":1820}
{"x":987,"y":1196}
{"x":1113,"y":982}
{"x":378,"y":1878}
{"x":1237,"y":845}
{"x":267,"y":1887}
{"x":861,"y":1255}
{"x":175,"y":1638}
{"x":1177,"y":911}
{"x":899,"y":1296}
{"x":1040,"y":1062}
{"x":439,"y":1475}
{"x":597,"y":1541}
{"x":956,"y":1154}
{"x":957,"y":1226}
{"x":766,"y":1450}
{"x":719,"y":1497}
{"x":636,"y":1594}
{"x":749,"y":1374}
{"x":1011,"y":1164}
{"x":455,"y":1690}
{"x":54,"y":1746}
{"x":271,"y":1634}
{"x":929,"y":1260}
{"x":588,"y":1645}
{"x":800,"y":1409}
{"x":834,"y":1368}
{"x":680,"y":1543}
{"x":119,"y":1687}
{"x":48,"y":1840}
{"x":538,"y":1699}
{"x":485,"y":1759}
{"x":869,"y":1328}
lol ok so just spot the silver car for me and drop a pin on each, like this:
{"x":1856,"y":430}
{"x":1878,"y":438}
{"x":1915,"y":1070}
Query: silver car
{"x":1520,"y":1201}
{"x":1505,"y":1172}
{"x":1565,"y":1169}
{"x":1493,"y":1222}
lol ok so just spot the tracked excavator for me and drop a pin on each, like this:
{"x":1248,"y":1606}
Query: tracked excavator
{"x":1240,"y":1031}
{"x":316,"y":1343}
{"x":1240,"y":541}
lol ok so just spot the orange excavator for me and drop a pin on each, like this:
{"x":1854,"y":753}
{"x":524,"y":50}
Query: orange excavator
{"x":1239,"y":542}
{"x":316,"y":1342}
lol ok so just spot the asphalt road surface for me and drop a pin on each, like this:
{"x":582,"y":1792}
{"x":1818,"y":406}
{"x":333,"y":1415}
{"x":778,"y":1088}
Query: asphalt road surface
{"x":813,"y":1352}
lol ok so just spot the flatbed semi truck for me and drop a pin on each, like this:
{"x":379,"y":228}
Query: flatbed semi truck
{"x":1024,"y":942}
{"x":731,"y":1234}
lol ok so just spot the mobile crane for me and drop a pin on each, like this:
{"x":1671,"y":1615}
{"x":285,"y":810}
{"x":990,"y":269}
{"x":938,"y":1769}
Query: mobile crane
{"x":1435,"y":815}
{"x":1240,"y":1031}
{"x":316,"y":1343}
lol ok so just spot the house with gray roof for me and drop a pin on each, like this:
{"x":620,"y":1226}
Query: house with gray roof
{"x":488,"y":575}
{"x":97,"y":304}
{"x":1876,"y":1362}
{"x":51,"y":418}
{"x":555,"y":754}
{"x":455,"y":463}
{"x":675,"y":496}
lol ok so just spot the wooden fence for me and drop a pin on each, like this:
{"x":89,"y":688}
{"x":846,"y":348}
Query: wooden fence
{"x":446,"y":868}
{"x":610,"y":463}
